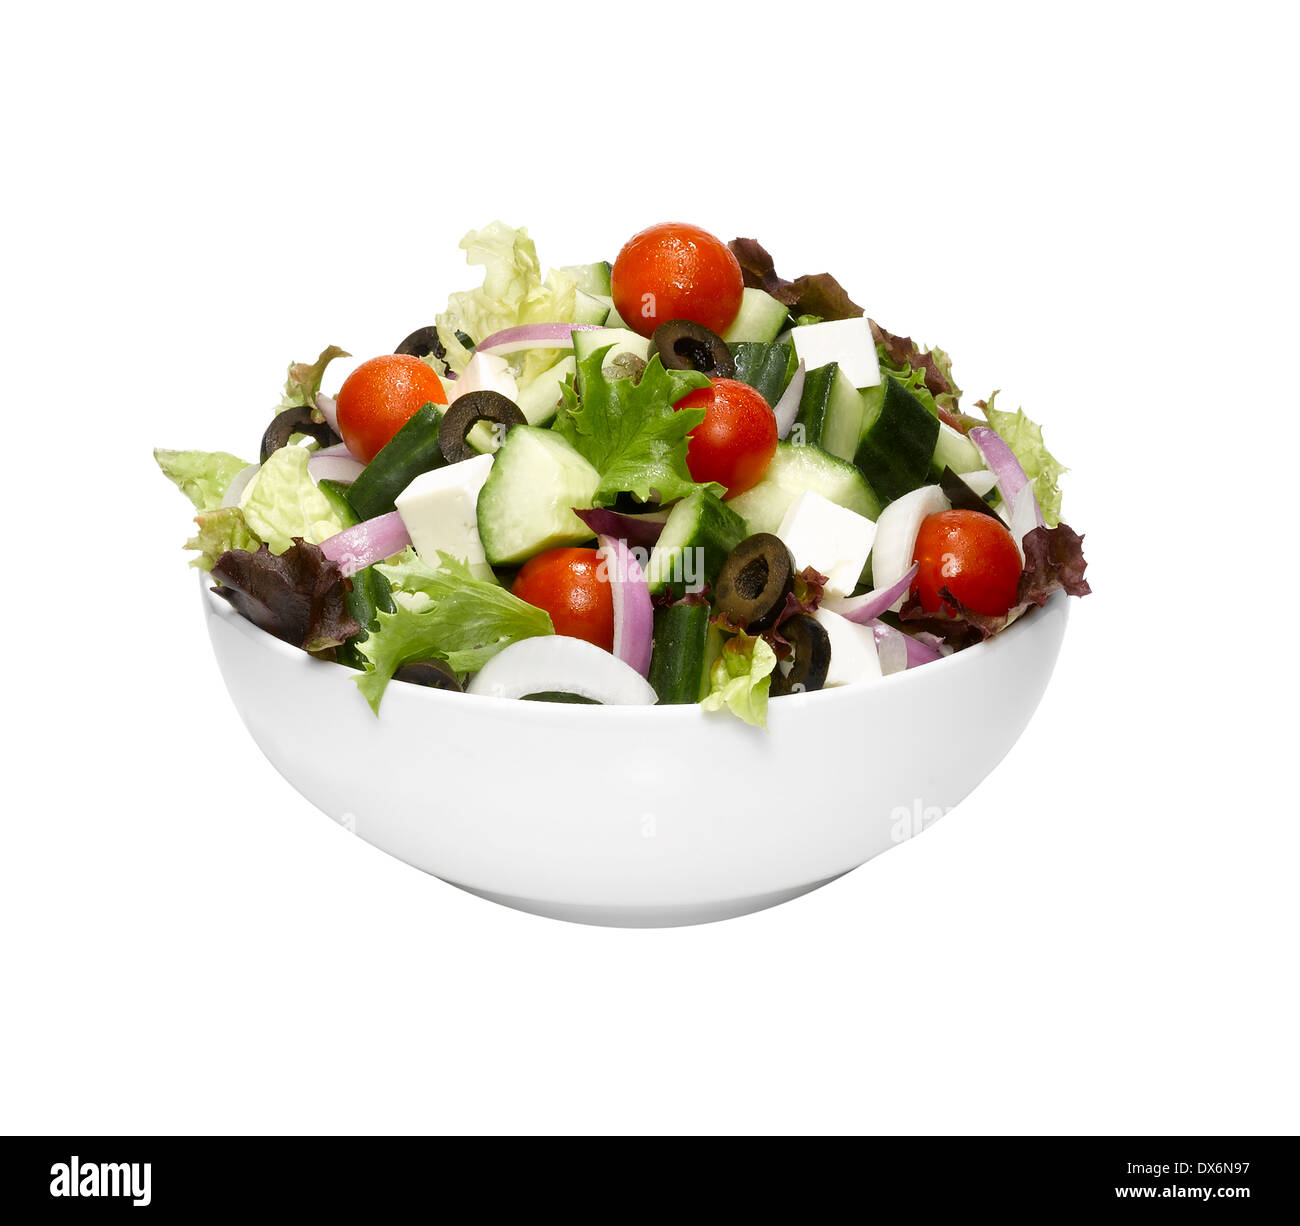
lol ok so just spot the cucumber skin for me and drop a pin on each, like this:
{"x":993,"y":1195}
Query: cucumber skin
{"x":413,"y":450}
{"x":718,"y":531}
{"x":897,"y":446}
{"x":760,"y":318}
{"x":337,"y":496}
{"x":763,"y":366}
{"x":819,"y":393}
{"x":677,"y":662}
{"x":371,"y":594}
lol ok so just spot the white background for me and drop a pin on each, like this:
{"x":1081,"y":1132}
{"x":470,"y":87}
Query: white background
{"x":1090,"y":208}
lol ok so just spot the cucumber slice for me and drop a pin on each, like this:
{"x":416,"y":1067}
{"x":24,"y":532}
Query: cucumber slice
{"x":589,"y":309}
{"x":760,"y":318}
{"x":621,"y":340}
{"x":527,"y":503}
{"x":680,"y":649}
{"x":794,"y":469}
{"x":591,"y":278}
{"x":898,"y":439}
{"x":541,"y":398}
{"x":413,"y":450}
{"x":831,"y":411}
{"x":764,"y":367}
{"x":699,"y":533}
{"x":954,"y":450}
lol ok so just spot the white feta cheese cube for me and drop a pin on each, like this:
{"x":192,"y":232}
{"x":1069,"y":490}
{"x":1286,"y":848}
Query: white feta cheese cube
{"x":485,"y":372}
{"x":853,"y":650}
{"x":846,"y":341}
{"x":440,"y":511}
{"x":829,"y":538}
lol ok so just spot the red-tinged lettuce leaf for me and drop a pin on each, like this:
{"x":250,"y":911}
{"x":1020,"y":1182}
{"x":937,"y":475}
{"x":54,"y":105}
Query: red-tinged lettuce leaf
{"x":299,"y":596}
{"x":817,"y":294}
{"x":903,"y":353}
{"x":1054,"y":562}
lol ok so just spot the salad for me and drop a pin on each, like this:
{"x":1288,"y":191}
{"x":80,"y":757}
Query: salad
{"x":679,"y":478}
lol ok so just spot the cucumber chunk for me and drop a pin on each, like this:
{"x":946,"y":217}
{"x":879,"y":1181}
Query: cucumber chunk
{"x":677,"y":662}
{"x":954,"y":450}
{"x":413,"y":450}
{"x":527,"y":503}
{"x":897,"y":442}
{"x":699,"y":533}
{"x":619,"y":340}
{"x":797,"y":468}
{"x":591,"y":278}
{"x":760,"y":318}
{"x":831,"y":411}
{"x":764,"y":367}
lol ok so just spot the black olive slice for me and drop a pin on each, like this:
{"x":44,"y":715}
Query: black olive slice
{"x":684,"y":345}
{"x":288,"y":422}
{"x":423,"y":342}
{"x":433,"y":673}
{"x":466,"y":412}
{"x":754,"y":582}
{"x":812,"y":656}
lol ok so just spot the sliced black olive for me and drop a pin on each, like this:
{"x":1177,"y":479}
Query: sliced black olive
{"x":433,"y":673}
{"x":684,"y":345}
{"x":812,"y":656}
{"x":288,"y":422}
{"x":466,"y":412}
{"x":754,"y":582}
{"x":423,"y":342}
{"x":962,"y":497}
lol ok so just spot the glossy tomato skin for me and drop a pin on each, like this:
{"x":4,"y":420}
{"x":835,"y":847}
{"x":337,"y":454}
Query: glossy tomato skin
{"x":676,"y":271}
{"x":379,"y":397}
{"x":572,"y":586}
{"x":736,"y":441}
{"x":971,"y":554}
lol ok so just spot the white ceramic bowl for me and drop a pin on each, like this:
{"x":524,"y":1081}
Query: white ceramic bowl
{"x":636,"y":816}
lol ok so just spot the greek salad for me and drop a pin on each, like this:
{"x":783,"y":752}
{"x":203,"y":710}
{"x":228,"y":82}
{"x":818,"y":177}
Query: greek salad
{"x":676,"y":478}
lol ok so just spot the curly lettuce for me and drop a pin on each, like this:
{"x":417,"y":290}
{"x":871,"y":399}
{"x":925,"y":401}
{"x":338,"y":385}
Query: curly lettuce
{"x":219,"y":532}
{"x":1025,"y":437}
{"x":513,"y":292}
{"x":741,"y":678}
{"x":202,"y":476}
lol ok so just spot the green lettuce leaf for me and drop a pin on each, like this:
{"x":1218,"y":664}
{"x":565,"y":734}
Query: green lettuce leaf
{"x":630,"y":432}
{"x":1025,"y":437}
{"x":202,"y":476}
{"x":741,"y":678}
{"x":446,"y":613}
{"x":513,"y":292}
{"x":282,"y":502}
{"x":304,"y":379}
{"x":219,"y":531}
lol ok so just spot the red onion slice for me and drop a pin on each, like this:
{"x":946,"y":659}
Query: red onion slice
{"x":1002,"y":463}
{"x":891,"y":648}
{"x":555,"y":663}
{"x":865,"y":609}
{"x":643,"y":530}
{"x":786,"y":409}
{"x":329,"y":410}
{"x":634,"y":618}
{"x":532,"y":336}
{"x":341,"y":468}
{"x":371,"y":541}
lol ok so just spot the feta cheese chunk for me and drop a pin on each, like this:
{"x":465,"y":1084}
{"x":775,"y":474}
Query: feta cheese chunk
{"x":440,"y":511}
{"x":853,"y":649}
{"x":829,"y":538}
{"x":846,"y":341}
{"x":485,"y":372}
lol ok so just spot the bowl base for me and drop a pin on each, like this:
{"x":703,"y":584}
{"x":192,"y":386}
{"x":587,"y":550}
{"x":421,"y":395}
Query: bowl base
{"x":674,"y":916}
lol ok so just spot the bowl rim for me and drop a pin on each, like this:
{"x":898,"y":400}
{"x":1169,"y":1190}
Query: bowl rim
{"x":824,"y":699}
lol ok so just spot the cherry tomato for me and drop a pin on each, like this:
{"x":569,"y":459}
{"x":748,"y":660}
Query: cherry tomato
{"x":572,"y":586}
{"x":379,"y":397}
{"x":736,"y":441}
{"x":676,"y":271}
{"x":973,"y":556}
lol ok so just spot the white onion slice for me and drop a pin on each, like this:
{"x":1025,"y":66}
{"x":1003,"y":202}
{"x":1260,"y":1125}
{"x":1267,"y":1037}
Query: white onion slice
{"x":329,"y":410}
{"x":865,"y":609}
{"x":896,"y":530}
{"x":555,"y":663}
{"x":340,"y":468}
{"x":786,"y":409}
{"x":238,"y":484}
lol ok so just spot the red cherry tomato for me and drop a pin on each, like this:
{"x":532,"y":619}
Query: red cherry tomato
{"x":571,"y":585}
{"x":676,"y":271}
{"x":973,"y":556}
{"x":379,"y":397}
{"x":736,"y":441}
